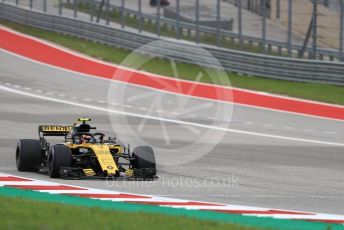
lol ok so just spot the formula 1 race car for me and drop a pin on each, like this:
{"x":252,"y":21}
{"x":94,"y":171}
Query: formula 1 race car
{"x":83,"y":154}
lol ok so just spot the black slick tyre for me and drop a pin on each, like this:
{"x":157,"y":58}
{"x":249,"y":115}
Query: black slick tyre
{"x":28,"y":155}
{"x":144,"y":164}
{"x":59,"y":156}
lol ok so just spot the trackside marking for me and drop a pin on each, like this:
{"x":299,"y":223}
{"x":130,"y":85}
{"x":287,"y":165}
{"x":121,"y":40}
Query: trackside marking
{"x":117,"y":196}
{"x":171,"y":202}
{"x":260,"y":212}
{"x":46,"y":53}
{"x":168,"y":203}
{"x":84,"y":56}
{"x":186,"y":95}
{"x":324,"y":220}
{"x":45,"y":187}
{"x":92,"y":107}
{"x":12,"y":178}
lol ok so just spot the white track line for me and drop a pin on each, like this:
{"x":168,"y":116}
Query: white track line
{"x":78,"y":104}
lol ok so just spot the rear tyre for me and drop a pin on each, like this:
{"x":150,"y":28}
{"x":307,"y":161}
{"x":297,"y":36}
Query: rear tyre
{"x":59,"y":156}
{"x":28,"y":155}
{"x":144,"y":163}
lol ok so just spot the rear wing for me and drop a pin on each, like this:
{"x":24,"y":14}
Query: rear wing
{"x":54,"y":130}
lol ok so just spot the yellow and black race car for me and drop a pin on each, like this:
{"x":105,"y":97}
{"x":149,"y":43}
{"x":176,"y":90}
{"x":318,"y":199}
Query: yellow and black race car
{"x":83,"y":154}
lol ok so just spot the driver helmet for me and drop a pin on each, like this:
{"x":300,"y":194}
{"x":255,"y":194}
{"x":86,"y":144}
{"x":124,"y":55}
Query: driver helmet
{"x":85,"y":138}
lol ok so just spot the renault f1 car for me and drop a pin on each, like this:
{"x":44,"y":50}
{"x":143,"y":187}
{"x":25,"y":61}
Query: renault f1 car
{"x":83,"y":154}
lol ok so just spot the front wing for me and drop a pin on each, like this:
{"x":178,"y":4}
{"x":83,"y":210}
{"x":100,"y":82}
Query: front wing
{"x":135,"y":174}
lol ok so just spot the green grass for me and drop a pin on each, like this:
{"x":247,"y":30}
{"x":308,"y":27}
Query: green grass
{"x":20,"y":213}
{"x":42,"y":209}
{"x":313,"y":91}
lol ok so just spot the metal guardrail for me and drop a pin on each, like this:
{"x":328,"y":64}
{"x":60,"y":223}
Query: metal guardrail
{"x":233,"y":61}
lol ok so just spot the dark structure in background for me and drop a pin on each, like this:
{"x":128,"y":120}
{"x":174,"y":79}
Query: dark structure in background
{"x":156,"y":2}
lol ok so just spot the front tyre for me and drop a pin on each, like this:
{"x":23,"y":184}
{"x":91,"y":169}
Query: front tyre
{"x":28,"y":155}
{"x":144,"y":162}
{"x":59,"y":156}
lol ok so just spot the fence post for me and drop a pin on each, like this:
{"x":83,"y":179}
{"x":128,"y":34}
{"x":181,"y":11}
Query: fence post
{"x":315,"y":25}
{"x":341,"y":35}
{"x":263,"y":13}
{"x":107,"y":12}
{"x":158,"y":18}
{"x":45,"y":6}
{"x":31,"y":4}
{"x":17,"y":2}
{"x":308,"y":35}
{"x":91,"y":2}
{"x":140,"y":15}
{"x":60,"y":7}
{"x":122,"y":14}
{"x":197,"y":21}
{"x":278,"y":9}
{"x":218,"y":18}
{"x":240,"y":24}
{"x":75,"y":8}
{"x":290,"y":21}
{"x":100,"y":10}
{"x":178,"y":18}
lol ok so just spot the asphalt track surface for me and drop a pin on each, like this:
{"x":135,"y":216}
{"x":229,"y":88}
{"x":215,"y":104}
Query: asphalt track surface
{"x":298,"y":167}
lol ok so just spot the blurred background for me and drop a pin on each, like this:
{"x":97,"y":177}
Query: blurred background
{"x":292,"y":28}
